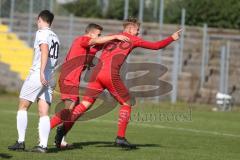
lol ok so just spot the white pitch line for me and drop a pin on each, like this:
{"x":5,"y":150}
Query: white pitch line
{"x":174,"y":128}
{"x":150,"y":126}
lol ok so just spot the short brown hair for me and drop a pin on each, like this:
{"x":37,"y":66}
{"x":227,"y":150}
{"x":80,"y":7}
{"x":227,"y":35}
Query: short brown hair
{"x":93,"y":26}
{"x":130,"y":21}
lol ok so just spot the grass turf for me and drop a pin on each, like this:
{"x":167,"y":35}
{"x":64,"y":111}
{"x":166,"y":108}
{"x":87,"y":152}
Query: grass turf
{"x":157,"y":130}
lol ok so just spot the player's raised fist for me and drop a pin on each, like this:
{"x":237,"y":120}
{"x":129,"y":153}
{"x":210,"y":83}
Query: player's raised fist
{"x":122,"y":38}
{"x":176,"y":35}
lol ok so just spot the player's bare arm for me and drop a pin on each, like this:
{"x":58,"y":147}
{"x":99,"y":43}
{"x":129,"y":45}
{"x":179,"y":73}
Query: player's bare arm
{"x":44,"y":58}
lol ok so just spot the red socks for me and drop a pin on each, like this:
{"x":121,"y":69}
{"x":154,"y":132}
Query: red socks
{"x":124,"y":116}
{"x":76,"y":113}
{"x":59,"y":117}
{"x":69,"y":119}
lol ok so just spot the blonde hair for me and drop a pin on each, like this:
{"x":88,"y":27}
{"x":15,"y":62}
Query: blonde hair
{"x":130,"y":21}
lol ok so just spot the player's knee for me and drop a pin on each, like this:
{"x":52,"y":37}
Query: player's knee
{"x":42,"y":112}
{"x":24,"y":105}
{"x":43,"y":107}
{"x":87,"y":104}
{"x":22,"y":108}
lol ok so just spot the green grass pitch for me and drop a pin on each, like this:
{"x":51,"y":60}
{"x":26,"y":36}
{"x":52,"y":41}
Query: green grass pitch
{"x":165,"y":135}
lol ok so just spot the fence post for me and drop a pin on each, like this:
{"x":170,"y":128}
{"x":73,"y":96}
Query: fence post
{"x":0,"y":11}
{"x":207,"y":50}
{"x":43,"y":4}
{"x":161,"y":12}
{"x":141,"y":10}
{"x":12,"y":14}
{"x":71,"y":19}
{"x":222,"y":68}
{"x":182,"y":39}
{"x":155,"y":9}
{"x":126,"y":6}
{"x":175,"y":73}
{"x":202,"y":76}
{"x":51,"y":6}
{"x":30,"y":14}
{"x":227,"y":67}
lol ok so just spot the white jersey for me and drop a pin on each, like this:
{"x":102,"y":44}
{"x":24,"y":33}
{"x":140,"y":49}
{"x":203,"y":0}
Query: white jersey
{"x":32,"y":88}
{"x":47,"y":36}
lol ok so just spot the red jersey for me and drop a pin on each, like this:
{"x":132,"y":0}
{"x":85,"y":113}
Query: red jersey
{"x":115,"y":52}
{"x":75,"y":61}
{"x":106,"y":74}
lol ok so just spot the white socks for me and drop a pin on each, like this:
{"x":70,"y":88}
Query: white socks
{"x":43,"y":126}
{"x":21,"y":125}
{"x":44,"y":130}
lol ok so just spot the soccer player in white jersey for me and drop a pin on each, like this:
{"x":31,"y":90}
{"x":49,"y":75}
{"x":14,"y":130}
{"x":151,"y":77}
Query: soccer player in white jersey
{"x":39,"y":84}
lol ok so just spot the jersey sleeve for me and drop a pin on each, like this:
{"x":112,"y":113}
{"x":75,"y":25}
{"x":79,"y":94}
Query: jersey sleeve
{"x":153,"y":45}
{"x":42,"y":37}
{"x":85,"y":42}
{"x":92,"y":53}
{"x":95,"y":49}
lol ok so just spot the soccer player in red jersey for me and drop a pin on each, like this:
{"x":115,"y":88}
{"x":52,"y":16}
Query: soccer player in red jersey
{"x":113,"y":55}
{"x":79,"y":56}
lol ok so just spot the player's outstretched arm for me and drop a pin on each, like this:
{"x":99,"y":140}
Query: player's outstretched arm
{"x":44,"y":58}
{"x":104,"y":39}
{"x":159,"y":44}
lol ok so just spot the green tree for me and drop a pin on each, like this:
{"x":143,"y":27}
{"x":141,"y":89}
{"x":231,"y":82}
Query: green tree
{"x":84,"y":8}
{"x":216,"y":13}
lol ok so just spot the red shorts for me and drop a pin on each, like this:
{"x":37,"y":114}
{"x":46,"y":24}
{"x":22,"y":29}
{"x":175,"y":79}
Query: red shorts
{"x":69,"y":92}
{"x":112,"y":83}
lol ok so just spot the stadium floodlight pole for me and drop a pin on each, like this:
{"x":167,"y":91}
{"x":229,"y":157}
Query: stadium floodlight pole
{"x":182,"y":39}
{"x":126,"y":6}
{"x":202,"y":76}
{"x":222,"y":70}
{"x":30,"y":21}
{"x":12,"y":14}
{"x":175,"y":73}
{"x":227,"y":66}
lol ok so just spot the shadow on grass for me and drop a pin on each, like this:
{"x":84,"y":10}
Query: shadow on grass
{"x":81,"y":145}
{"x":5,"y":156}
{"x":55,"y":150}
